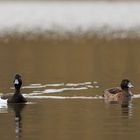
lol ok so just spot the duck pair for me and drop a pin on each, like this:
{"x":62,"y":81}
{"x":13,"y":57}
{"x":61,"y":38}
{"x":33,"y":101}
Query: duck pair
{"x":120,"y":94}
{"x":17,"y":97}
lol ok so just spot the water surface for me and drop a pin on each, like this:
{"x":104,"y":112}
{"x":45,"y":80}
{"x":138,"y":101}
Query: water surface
{"x":64,"y":75}
{"x":63,"y":81}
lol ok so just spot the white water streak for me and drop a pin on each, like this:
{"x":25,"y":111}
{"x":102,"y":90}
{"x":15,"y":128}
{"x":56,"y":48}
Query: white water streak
{"x":3,"y":104}
{"x":136,"y":96}
{"x":32,"y":86}
{"x":57,"y":90}
{"x":78,"y":84}
{"x":65,"y":97}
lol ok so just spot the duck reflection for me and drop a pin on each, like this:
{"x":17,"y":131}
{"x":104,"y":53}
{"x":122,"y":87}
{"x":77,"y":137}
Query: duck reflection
{"x":127,"y":110}
{"x":17,"y":108}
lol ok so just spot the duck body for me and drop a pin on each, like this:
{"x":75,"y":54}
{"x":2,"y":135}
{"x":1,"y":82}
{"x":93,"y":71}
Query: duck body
{"x":14,"y":98}
{"x":17,"y":97}
{"x":113,"y":94}
{"x":120,"y":94}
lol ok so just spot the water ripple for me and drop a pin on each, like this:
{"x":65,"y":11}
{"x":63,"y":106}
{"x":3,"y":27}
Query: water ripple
{"x":64,"y":97}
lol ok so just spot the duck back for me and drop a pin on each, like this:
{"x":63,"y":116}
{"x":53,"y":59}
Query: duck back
{"x":17,"y":98}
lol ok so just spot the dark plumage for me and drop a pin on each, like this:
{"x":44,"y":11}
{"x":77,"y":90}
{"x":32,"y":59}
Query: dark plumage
{"x":17,"y":82}
{"x":17,"y":97}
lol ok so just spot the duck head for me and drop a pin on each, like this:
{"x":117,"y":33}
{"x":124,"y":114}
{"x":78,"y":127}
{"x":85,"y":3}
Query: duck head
{"x":17,"y":82}
{"x":126,"y":84}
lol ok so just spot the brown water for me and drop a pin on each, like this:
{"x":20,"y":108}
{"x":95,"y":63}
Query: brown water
{"x":101,"y":62}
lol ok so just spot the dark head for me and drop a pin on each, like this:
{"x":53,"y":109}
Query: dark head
{"x":17,"y":82}
{"x":17,"y":76}
{"x":125,"y":84}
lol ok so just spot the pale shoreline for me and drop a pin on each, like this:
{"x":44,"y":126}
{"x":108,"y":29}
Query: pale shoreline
{"x":63,"y":17}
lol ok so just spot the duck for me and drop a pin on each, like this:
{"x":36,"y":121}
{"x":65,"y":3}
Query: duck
{"x":17,"y":97}
{"x":120,"y":94}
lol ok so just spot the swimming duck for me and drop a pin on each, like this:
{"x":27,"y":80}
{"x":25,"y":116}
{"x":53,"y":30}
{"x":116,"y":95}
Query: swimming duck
{"x":120,"y":94}
{"x":17,"y":97}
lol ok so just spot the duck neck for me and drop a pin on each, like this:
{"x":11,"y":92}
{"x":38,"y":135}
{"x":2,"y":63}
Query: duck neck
{"x":17,"y":91}
{"x":126,"y":91}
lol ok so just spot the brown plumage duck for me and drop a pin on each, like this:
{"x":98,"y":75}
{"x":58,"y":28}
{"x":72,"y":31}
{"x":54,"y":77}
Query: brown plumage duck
{"x":120,"y":94}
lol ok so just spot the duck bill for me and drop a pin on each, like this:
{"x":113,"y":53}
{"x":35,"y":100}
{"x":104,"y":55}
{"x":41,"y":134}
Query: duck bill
{"x":130,"y":85}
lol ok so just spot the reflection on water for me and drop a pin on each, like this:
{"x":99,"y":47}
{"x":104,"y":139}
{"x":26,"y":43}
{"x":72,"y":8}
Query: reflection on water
{"x":66,"y":119}
{"x":126,"y":101}
{"x":17,"y":109}
{"x":127,"y":111}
